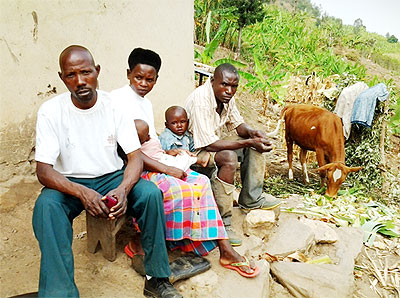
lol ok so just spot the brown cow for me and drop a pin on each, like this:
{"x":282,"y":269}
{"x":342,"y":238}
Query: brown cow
{"x":316,"y":129}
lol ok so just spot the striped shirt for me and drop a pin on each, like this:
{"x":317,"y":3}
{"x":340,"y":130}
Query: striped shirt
{"x":205,"y":123}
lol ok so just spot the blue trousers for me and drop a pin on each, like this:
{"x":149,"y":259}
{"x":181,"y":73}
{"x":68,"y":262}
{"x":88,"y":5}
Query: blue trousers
{"x":52,"y":223}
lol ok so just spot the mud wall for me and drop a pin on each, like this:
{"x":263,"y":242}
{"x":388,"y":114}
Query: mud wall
{"x":33,"y":33}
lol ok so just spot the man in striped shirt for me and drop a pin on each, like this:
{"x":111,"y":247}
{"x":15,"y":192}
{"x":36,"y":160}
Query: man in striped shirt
{"x":212,"y":111}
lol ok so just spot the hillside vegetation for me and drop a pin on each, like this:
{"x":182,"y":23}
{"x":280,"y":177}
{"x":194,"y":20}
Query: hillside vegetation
{"x":290,"y":41}
{"x":286,"y":52}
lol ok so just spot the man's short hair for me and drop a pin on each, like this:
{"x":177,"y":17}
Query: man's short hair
{"x":68,"y":50}
{"x":144,"y":56}
{"x":173,"y":109}
{"x":226,"y":67}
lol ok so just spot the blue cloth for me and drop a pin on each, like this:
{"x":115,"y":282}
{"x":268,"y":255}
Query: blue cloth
{"x":365,"y":103}
{"x":170,"y":140}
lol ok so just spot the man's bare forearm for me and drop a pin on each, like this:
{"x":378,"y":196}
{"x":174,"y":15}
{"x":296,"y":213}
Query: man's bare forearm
{"x":52,"y":179}
{"x":133,"y":170}
{"x":229,"y":145}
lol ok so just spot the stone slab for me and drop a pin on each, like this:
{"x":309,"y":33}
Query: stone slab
{"x":314,"y":281}
{"x":290,"y":236}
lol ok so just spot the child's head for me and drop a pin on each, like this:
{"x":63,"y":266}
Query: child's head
{"x":142,"y":130}
{"x":176,"y":120}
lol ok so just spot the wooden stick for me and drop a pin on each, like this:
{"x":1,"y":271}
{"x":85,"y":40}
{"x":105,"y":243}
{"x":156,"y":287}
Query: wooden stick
{"x":383,"y":133}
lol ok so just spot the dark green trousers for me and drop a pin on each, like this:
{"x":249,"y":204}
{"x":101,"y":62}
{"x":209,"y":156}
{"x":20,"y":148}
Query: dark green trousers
{"x":52,"y":224}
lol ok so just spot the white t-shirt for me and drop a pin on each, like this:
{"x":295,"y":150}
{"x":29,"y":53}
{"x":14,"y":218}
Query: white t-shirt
{"x":139,"y":107}
{"x":83,"y":143}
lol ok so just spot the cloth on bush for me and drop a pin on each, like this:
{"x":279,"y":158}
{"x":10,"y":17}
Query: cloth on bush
{"x":192,"y":217}
{"x":345,"y":102}
{"x":365,"y":103}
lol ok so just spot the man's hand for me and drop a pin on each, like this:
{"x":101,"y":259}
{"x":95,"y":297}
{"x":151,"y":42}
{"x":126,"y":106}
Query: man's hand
{"x":92,"y":202}
{"x":120,"y":208}
{"x":90,"y":198}
{"x":262,"y":145}
{"x":253,"y":133}
{"x":175,"y":172}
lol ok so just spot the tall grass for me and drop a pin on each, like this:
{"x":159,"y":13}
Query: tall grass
{"x":292,"y":43}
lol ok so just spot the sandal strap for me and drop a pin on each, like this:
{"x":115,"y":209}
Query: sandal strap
{"x":245,"y":263}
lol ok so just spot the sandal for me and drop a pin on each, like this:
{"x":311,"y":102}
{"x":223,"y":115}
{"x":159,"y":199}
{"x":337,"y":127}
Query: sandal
{"x":236,"y":267}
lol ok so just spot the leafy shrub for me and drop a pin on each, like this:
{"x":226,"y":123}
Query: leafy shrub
{"x":362,"y":149}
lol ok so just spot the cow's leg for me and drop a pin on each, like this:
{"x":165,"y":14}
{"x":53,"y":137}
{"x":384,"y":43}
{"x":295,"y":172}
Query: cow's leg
{"x":321,"y":162}
{"x":289,"y":145}
{"x":303,"y":161}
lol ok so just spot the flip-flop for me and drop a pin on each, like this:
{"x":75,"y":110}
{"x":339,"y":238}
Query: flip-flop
{"x":130,"y":253}
{"x":137,"y":262}
{"x":181,"y":268}
{"x":236,"y":267}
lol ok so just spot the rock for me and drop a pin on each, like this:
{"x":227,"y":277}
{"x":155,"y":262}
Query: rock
{"x":294,"y":201}
{"x":257,"y":287}
{"x":290,"y":236}
{"x":220,"y":282}
{"x":259,"y":223}
{"x":314,"y":281}
{"x":277,"y":212}
{"x":322,"y":231}
{"x":349,"y":246}
{"x":252,"y":247}
{"x":201,"y":285}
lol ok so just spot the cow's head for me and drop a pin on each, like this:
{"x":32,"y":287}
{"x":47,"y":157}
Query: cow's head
{"x":335,"y":174}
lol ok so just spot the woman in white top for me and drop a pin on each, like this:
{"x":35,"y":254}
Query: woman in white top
{"x":188,"y":199}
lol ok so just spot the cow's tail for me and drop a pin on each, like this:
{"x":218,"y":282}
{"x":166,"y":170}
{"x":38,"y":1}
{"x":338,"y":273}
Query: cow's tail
{"x":276,"y":131}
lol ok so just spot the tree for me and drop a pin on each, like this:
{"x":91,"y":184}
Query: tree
{"x":247,"y":12}
{"x":392,"y":39}
{"x":358,"y":25}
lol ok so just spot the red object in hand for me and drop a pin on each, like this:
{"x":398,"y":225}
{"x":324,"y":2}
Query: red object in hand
{"x":110,"y":201}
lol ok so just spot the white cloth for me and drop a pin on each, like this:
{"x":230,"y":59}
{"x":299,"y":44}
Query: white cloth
{"x":139,"y":107}
{"x":345,"y":102}
{"x":83,"y":143}
{"x":205,"y":123}
{"x":152,"y":148}
{"x":181,"y":161}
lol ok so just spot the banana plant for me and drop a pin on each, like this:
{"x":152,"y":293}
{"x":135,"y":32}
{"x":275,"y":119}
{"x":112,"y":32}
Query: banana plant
{"x":208,"y":53}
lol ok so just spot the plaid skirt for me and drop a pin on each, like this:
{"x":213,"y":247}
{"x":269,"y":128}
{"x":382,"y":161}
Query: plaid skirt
{"x":192,"y":217}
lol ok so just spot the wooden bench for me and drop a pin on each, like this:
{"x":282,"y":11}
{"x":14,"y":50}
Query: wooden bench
{"x":101,"y":231}
{"x":203,"y":70}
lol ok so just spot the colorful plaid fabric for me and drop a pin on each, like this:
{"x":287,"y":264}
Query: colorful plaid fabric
{"x":191,"y":211}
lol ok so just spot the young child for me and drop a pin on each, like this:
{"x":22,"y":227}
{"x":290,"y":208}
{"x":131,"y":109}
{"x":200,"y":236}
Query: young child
{"x":176,"y":136}
{"x":178,"y":158}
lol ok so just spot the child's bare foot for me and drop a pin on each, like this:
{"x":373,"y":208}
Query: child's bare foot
{"x":203,"y":158}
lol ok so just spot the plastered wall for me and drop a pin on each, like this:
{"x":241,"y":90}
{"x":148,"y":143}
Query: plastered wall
{"x":33,"y":33}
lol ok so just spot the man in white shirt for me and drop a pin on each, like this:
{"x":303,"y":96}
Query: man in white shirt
{"x":212,"y":109}
{"x":77,"y":162}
